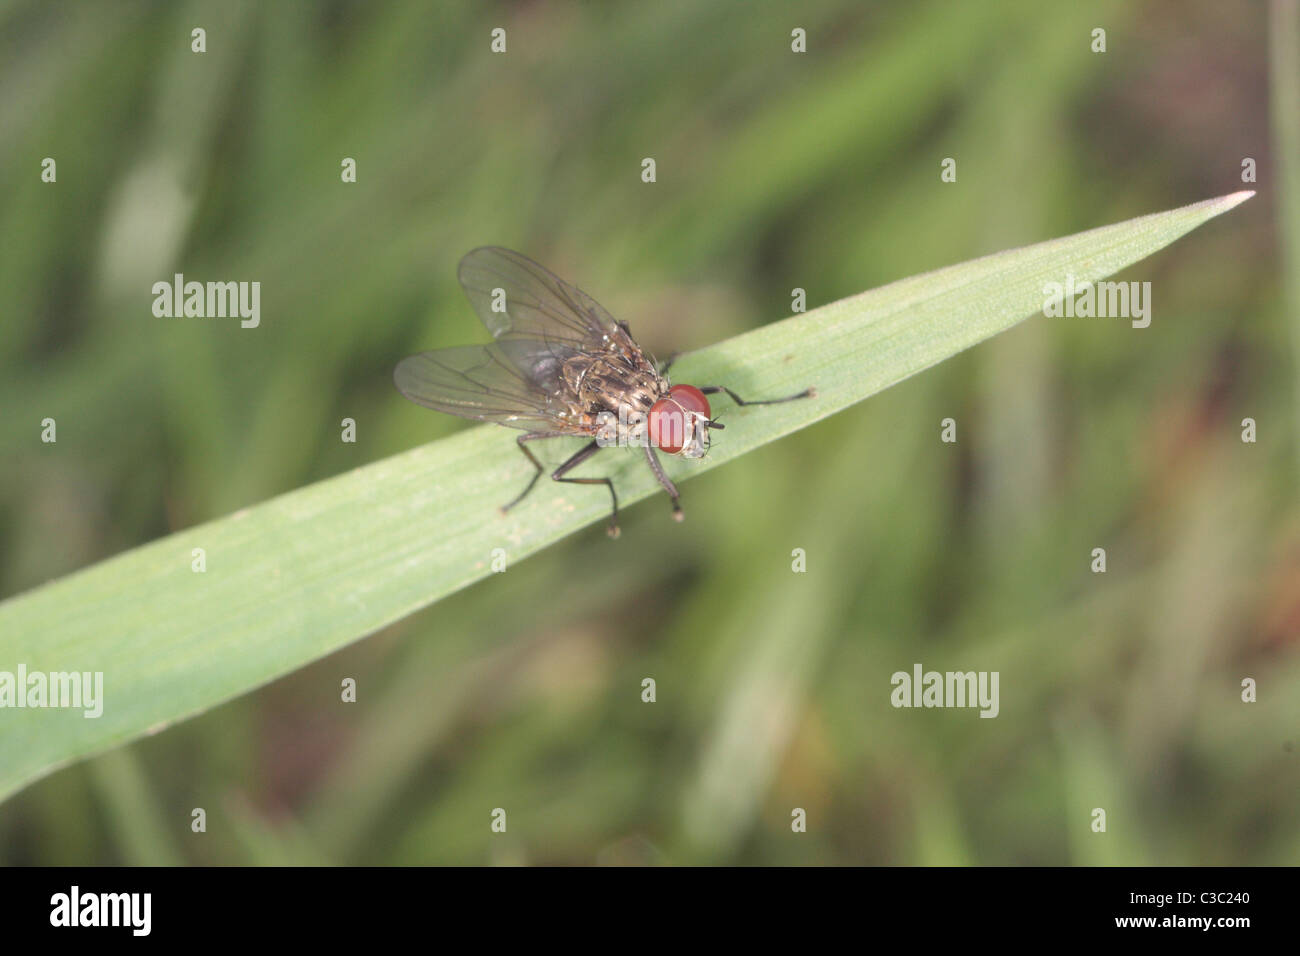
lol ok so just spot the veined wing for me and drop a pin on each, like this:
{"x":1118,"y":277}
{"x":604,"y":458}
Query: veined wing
{"x":537,"y":305}
{"x":481,"y":382}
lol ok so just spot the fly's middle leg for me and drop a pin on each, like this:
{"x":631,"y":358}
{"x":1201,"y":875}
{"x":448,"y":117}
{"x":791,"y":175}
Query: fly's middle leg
{"x":576,"y":459}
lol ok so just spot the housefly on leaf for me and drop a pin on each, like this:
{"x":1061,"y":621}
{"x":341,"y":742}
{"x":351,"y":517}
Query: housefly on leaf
{"x":560,"y":365}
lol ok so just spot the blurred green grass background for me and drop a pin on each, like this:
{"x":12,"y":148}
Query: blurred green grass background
{"x":775,"y":171}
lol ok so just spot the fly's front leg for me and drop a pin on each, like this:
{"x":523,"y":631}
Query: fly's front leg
{"x":714,"y":389}
{"x":664,"y":481}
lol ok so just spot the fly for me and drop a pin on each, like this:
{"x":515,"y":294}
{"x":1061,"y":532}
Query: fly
{"x":559,"y":365}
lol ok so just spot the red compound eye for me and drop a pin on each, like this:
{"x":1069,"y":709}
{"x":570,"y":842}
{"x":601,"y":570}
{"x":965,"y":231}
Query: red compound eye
{"x":691,"y":399}
{"x":671,"y":417}
{"x":667,"y":425}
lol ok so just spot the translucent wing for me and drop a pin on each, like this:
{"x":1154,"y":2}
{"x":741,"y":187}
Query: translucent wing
{"x":518,"y":299}
{"x":482,"y":382}
{"x":539,"y":322}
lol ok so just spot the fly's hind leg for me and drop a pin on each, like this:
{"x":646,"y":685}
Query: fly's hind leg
{"x":530,"y":436}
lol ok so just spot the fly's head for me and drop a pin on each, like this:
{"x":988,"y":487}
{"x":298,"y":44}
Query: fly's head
{"x":679,"y":422}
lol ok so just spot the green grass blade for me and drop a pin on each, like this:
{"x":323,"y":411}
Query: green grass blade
{"x":297,"y":577}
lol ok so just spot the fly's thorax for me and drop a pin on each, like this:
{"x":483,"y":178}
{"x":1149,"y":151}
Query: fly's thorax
{"x":600,"y":384}
{"x":640,"y":398}
{"x":617,"y":401}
